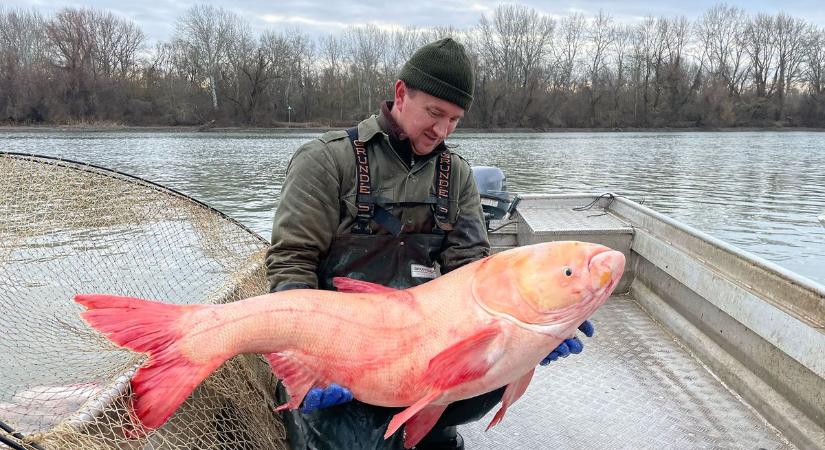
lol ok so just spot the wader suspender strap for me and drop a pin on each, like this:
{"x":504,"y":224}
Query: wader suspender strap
{"x":364,"y":201}
{"x":442,"y":190}
{"x":363,"y":196}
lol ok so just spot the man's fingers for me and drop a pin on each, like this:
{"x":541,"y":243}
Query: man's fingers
{"x":549,"y":358}
{"x":331,"y":397}
{"x":312,"y":400}
{"x":587,"y":328}
{"x":574,"y":344}
{"x":347,"y":395}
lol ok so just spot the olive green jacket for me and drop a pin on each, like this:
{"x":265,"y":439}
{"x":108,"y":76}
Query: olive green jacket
{"x":318,"y":204}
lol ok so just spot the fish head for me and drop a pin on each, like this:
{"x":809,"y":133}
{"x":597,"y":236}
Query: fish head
{"x":548,"y":284}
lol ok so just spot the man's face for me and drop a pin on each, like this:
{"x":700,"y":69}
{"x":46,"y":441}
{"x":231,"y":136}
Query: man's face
{"x":426,"y":119}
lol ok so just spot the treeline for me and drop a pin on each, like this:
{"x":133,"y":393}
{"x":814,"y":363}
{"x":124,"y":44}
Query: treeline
{"x":727,"y":68}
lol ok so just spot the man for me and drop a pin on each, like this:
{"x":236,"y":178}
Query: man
{"x":385,"y":202}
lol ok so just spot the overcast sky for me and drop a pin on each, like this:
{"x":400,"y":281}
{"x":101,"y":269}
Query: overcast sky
{"x":157,"y":18}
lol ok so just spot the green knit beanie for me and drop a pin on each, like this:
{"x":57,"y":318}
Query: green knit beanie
{"x":441,"y":69}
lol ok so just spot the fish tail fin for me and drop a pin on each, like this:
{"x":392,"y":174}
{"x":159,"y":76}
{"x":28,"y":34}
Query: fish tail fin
{"x":163,"y":382}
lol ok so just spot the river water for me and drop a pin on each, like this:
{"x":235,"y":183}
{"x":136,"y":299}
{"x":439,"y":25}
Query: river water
{"x":760,"y":191}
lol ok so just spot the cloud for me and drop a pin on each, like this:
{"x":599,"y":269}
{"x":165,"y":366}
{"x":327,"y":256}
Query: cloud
{"x":479,"y":7}
{"x":157,"y":18}
{"x":278,"y":19}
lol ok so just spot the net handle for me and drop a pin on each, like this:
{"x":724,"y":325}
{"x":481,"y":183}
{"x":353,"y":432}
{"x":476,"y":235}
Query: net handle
{"x":5,"y":427}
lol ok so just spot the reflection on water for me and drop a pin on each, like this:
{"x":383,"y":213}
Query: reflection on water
{"x":760,"y":191}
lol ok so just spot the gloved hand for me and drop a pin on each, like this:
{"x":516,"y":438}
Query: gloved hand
{"x":572,"y":345}
{"x":318,"y":398}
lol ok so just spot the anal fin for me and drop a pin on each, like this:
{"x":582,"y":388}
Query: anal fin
{"x":513,"y":392}
{"x":420,"y":424}
{"x":402,"y":417}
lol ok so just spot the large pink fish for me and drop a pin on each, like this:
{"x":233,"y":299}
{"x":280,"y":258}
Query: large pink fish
{"x":480,"y":327}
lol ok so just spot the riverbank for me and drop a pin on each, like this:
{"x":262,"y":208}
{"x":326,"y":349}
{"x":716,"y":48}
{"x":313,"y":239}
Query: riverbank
{"x":107,"y":128}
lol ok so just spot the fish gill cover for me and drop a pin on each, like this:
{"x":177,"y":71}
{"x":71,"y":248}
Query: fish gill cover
{"x":68,"y":228}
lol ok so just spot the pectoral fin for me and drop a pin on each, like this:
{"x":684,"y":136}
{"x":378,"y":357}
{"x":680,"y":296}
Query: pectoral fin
{"x":513,"y":392}
{"x":297,"y":379}
{"x":463,"y":361}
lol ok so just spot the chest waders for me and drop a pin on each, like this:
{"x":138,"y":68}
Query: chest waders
{"x":397,"y":260}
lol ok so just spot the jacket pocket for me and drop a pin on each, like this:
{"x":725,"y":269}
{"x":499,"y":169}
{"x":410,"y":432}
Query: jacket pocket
{"x":348,"y":203}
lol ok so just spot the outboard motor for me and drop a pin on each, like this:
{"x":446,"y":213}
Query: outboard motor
{"x":496,"y":202}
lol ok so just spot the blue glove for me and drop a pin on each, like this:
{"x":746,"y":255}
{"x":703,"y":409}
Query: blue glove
{"x":572,"y":345}
{"x":318,"y":398}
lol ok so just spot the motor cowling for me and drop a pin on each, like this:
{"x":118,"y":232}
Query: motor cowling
{"x":497,"y":203}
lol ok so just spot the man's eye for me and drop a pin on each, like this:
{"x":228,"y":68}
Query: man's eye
{"x":434,"y":113}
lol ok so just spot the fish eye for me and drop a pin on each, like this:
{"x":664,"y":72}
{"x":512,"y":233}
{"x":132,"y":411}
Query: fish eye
{"x":568,"y":272}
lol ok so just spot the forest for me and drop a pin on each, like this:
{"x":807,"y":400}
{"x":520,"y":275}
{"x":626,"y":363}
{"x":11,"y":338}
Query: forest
{"x":727,"y":68}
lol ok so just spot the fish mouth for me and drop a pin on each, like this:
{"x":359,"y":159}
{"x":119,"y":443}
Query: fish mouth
{"x":606,"y":267}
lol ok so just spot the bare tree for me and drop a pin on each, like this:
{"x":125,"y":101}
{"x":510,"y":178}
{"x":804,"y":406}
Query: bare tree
{"x":128,"y":41}
{"x":515,"y":47}
{"x":726,"y":68}
{"x":305,"y":73}
{"x":281,"y":57}
{"x":365,"y":49}
{"x":814,"y":74}
{"x":791,"y":39}
{"x":721,"y":32}
{"x":249,"y":74}
{"x":72,"y":49}
{"x":648,"y":53}
{"x":680,"y":79}
{"x":620,"y":53}
{"x":400,"y":46}
{"x":22,"y":38}
{"x":22,"y":59}
{"x":292,"y":69}
{"x":566,"y":51}
{"x":333,"y":70}
{"x":761,"y":46}
{"x":600,"y":36}
{"x":207,"y":32}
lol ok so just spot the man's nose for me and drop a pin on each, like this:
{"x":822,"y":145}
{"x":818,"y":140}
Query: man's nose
{"x":442,"y":127}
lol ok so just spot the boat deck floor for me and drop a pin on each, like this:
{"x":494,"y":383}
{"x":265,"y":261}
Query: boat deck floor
{"x":633,"y":387}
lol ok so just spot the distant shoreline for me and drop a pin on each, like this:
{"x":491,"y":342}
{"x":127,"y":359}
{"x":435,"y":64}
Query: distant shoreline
{"x":91,"y":128}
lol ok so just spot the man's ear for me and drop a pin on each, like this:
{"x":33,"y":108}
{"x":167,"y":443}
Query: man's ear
{"x":401,"y":94}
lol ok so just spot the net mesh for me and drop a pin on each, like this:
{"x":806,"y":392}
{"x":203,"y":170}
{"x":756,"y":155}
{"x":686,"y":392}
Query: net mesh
{"x":68,"y":228}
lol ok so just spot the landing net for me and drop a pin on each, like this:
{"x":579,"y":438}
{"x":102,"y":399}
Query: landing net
{"x":68,"y":228}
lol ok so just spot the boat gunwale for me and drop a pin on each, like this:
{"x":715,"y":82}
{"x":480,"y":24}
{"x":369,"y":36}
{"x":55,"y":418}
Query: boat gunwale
{"x":757,"y":260}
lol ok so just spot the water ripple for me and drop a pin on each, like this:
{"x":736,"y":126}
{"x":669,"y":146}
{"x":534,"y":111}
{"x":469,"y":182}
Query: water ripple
{"x":760,"y":191}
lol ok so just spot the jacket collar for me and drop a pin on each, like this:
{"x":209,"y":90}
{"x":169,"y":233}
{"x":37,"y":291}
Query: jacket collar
{"x":368,"y":128}
{"x":384,"y":124}
{"x":387,"y":123}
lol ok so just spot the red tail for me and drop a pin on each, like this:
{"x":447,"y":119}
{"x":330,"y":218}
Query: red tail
{"x":168,"y":377}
